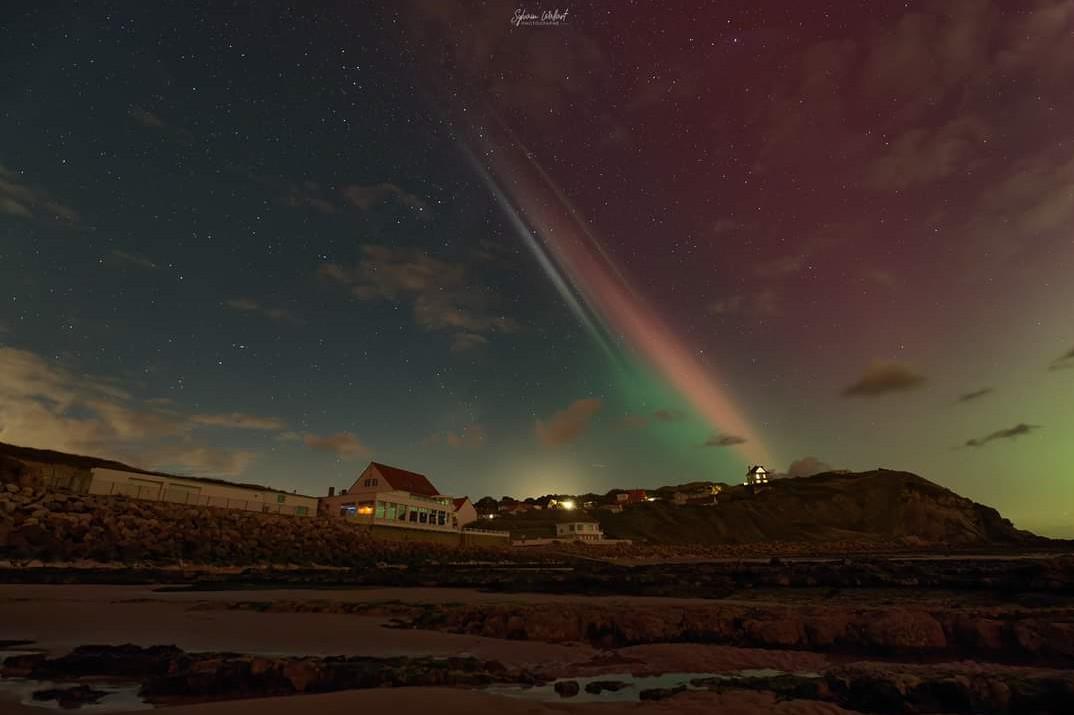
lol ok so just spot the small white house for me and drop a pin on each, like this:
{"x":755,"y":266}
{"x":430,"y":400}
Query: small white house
{"x":579,"y":531}
{"x":756,"y":475}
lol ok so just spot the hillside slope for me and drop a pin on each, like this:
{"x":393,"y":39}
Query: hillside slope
{"x":880,"y":505}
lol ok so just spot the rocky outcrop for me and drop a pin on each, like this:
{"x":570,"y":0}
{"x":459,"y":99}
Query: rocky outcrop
{"x":1004,"y":635}
{"x":881,"y":506}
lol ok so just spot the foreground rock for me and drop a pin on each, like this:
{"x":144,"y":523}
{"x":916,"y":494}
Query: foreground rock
{"x":167,"y":673}
{"x":1013,"y":635}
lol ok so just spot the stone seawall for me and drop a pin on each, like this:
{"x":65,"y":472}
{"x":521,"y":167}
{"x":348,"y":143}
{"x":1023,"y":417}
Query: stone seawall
{"x":44,"y":525}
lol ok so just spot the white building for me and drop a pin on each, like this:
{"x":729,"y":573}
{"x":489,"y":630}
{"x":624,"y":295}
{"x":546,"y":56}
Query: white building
{"x":579,"y":531}
{"x":198,"y":491}
{"x":388,"y":496}
{"x":757,"y":475}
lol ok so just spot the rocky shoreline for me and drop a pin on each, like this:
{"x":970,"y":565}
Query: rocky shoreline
{"x":168,"y":675}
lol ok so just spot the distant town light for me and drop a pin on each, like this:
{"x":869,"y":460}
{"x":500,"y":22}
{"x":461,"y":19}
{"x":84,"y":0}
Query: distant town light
{"x":567,"y":504}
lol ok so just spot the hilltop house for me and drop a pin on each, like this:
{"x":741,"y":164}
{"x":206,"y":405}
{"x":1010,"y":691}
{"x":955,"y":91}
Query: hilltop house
{"x":756,"y":476}
{"x":631,"y":496}
{"x":579,"y":531}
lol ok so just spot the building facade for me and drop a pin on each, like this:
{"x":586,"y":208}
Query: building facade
{"x":388,"y":496}
{"x":579,"y":531}
{"x":756,"y":476}
{"x":197,"y":491}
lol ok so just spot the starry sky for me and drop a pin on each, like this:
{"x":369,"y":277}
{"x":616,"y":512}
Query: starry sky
{"x":631,"y":246}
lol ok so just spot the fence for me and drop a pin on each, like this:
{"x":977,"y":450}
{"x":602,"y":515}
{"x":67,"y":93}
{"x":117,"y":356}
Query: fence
{"x":173,"y":495}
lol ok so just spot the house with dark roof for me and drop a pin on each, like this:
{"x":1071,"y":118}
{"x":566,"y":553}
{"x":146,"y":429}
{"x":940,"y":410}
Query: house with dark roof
{"x":384,"y":495}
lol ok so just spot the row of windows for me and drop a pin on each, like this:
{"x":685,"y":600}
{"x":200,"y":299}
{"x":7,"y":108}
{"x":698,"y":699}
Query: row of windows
{"x":371,"y":482}
{"x":415,"y":514}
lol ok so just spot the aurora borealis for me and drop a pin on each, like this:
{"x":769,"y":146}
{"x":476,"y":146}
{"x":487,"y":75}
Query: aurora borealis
{"x":639,"y":246}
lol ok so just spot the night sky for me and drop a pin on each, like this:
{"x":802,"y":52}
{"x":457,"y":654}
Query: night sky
{"x":271,"y":241}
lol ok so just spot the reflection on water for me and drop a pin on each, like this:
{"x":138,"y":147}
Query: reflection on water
{"x":119,"y":697}
{"x":635,"y":684}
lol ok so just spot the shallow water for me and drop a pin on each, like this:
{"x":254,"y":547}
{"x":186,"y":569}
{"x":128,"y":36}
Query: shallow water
{"x":121,"y":697}
{"x":635,"y":684}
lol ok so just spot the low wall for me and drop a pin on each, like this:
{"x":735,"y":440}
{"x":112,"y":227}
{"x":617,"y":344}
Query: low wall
{"x":50,"y":525}
{"x":482,"y":537}
{"x":402,"y":533}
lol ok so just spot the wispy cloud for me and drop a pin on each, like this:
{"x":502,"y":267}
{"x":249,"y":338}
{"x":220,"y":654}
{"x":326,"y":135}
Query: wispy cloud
{"x":807,"y":467}
{"x":882,"y":378}
{"x":1064,"y":361}
{"x":723,"y":440}
{"x":471,"y":436}
{"x":132,"y":259}
{"x":975,"y":395}
{"x":372,"y":196}
{"x":239,"y":420}
{"x":445,"y":297}
{"x":1018,"y":430}
{"x":637,"y":421}
{"x":45,"y":405}
{"x":249,"y":305}
{"x":20,"y":199}
{"x":345,"y":445}
{"x":569,"y":424}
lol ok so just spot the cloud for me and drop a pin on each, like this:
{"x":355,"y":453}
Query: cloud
{"x":634,"y":422}
{"x":369,"y":197}
{"x":725,"y":225}
{"x":249,"y":305}
{"x":723,"y":440}
{"x":132,"y":259}
{"x":1064,"y":361}
{"x":146,"y":118}
{"x":195,"y":460}
{"x":342,"y":444}
{"x":759,"y":303}
{"x":19,"y":199}
{"x":925,"y":155}
{"x":807,"y":467}
{"x":470,"y":437}
{"x":568,"y":425}
{"x":444,"y":296}
{"x":660,"y":415}
{"x":462,"y":342}
{"x":976,"y":394}
{"x":48,"y":406}
{"x":309,"y":195}
{"x":238,"y":420}
{"x":1010,"y":433}
{"x":884,"y":377}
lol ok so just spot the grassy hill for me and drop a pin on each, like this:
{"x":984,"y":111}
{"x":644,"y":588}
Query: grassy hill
{"x":880,"y":505}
